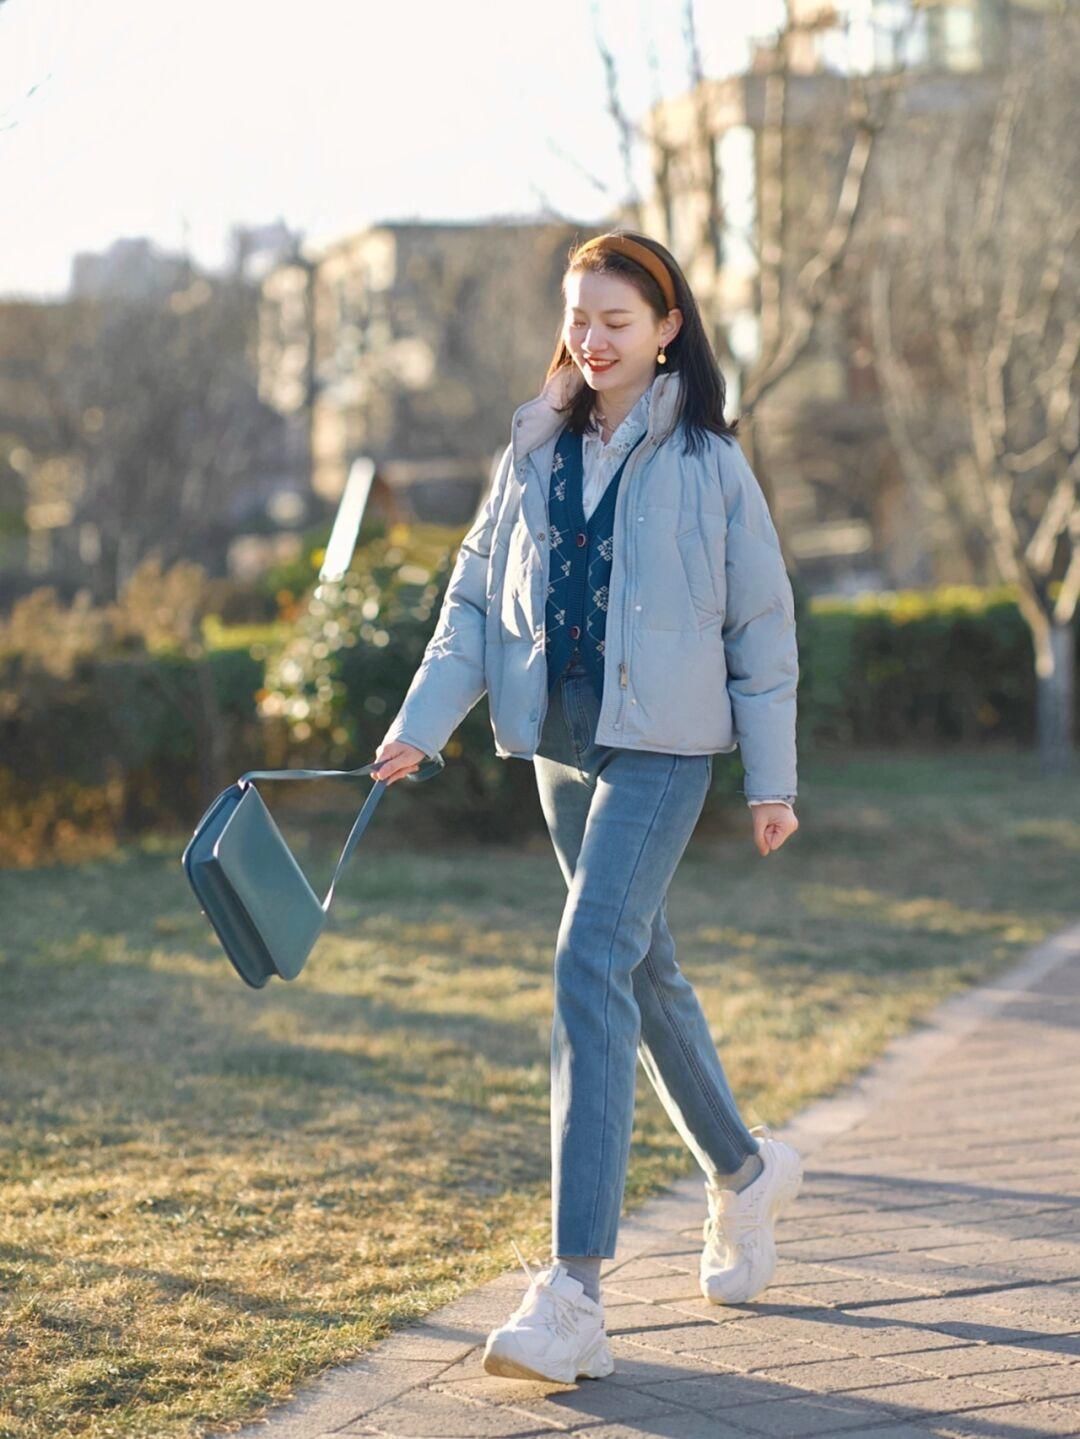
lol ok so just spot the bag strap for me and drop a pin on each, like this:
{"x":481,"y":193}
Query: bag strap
{"x":336,"y":561}
{"x":429,"y":766}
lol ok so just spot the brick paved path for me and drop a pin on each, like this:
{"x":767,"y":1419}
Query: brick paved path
{"x":929,"y":1279}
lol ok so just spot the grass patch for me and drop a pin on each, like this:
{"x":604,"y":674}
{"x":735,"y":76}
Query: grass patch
{"x":211,"y":1193}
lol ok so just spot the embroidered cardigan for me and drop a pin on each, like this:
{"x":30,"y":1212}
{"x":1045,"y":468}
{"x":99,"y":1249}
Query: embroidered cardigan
{"x":601,"y":460}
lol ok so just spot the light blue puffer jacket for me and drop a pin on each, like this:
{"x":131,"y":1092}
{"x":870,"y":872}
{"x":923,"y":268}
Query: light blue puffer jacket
{"x":700,"y":651}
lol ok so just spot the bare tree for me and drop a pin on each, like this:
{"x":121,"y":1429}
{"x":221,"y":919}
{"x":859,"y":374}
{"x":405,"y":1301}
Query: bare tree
{"x":958,"y":265}
{"x":28,"y":91}
{"x":176,"y":382}
{"x":812,"y":169}
{"x":150,"y":411}
{"x":973,"y":293}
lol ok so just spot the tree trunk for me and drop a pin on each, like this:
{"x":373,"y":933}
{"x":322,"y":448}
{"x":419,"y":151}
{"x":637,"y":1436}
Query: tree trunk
{"x":1055,"y":681}
{"x":211,"y":739}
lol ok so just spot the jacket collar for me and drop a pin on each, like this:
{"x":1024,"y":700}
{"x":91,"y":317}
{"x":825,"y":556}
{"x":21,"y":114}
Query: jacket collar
{"x":537,"y":420}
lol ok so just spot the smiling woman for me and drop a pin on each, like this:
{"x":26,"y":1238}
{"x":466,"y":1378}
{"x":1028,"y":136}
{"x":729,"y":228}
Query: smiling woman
{"x":623,"y":601}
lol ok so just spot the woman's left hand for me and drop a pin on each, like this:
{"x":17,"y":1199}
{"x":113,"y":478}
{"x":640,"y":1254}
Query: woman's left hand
{"x":773,"y":824}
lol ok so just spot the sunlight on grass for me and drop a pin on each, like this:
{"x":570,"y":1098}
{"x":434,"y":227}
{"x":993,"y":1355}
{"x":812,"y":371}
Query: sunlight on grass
{"x":210,"y":1193}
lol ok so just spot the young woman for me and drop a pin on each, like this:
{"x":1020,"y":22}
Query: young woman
{"x":622,"y":600}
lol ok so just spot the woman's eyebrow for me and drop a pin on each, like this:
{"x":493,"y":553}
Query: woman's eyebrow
{"x":619,"y":311}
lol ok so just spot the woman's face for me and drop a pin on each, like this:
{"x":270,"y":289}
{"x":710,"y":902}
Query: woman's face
{"x":610,"y":331}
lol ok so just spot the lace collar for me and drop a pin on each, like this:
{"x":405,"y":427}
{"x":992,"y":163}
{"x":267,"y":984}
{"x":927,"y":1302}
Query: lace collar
{"x":629,"y":430}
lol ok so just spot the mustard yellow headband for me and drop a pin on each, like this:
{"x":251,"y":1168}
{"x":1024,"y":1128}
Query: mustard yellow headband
{"x":645,"y":257}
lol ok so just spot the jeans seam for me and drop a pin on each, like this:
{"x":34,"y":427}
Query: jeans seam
{"x":580,"y":716}
{"x":607,"y":1000}
{"x":568,"y":719}
{"x":691,"y":1057}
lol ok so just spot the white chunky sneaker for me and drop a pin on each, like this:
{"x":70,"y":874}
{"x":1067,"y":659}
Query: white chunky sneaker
{"x":555,"y":1334}
{"x":739,"y":1257}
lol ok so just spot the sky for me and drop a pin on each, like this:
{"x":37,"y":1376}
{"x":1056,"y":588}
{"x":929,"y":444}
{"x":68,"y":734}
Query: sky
{"x":124,"y":118}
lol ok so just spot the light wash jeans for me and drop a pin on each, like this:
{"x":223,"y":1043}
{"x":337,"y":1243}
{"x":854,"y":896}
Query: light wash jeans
{"x":620,"y":820}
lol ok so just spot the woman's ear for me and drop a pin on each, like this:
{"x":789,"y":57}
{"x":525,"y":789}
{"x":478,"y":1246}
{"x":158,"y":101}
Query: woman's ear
{"x":671,"y":325}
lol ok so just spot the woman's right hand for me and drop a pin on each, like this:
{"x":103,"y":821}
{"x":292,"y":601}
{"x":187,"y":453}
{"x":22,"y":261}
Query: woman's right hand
{"x":396,"y":760}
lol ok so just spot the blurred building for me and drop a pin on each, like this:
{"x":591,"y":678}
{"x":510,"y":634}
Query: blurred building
{"x":254,"y":250}
{"x":89,"y":388}
{"x":130,"y":269}
{"x":412,"y":343}
{"x":820,"y":435}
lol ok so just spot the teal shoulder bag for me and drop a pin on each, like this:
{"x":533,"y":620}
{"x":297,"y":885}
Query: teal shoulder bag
{"x":248,"y":883}
{"x":244,"y":875}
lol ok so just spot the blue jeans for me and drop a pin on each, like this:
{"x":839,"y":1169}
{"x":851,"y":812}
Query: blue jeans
{"x":620,"y":820}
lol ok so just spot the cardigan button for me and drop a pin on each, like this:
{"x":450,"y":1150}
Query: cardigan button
{"x":582,"y":539}
{"x":575,"y":632}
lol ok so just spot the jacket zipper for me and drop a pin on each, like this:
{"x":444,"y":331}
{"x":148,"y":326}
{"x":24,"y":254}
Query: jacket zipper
{"x":544,"y":700}
{"x":624,"y":493}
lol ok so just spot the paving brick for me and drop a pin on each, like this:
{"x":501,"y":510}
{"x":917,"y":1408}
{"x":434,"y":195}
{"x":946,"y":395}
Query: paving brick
{"x":342,"y":1395}
{"x":657,"y":1287}
{"x":758,"y":1359}
{"x":636,"y":1363}
{"x":647,"y":1267}
{"x":902,"y":1267}
{"x":682,"y":1263}
{"x":1055,"y":1381}
{"x":840,"y":1376}
{"x":840,"y":1249}
{"x":426,"y":1414}
{"x":630,"y":1318}
{"x":1066,"y":1345}
{"x":963,"y":1317}
{"x":841,"y":1333}
{"x":1041,"y":1302}
{"x":803,"y":1416}
{"x":956,"y":1360}
{"x":1012,"y":1421}
{"x":683,"y":1338}
{"x":902,"y":1430}
{"x":427,"y":1341}
{"x":926,"y":1397}
{"x":563,"y":1406}
{"x":843,"y":1292}
{"x":678,"y":1424}
{"x":717,"y":1393}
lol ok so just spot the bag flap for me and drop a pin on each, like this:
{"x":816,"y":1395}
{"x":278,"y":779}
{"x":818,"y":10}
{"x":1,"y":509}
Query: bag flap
{"x":268,"y":882}
{"x":200,"y":846}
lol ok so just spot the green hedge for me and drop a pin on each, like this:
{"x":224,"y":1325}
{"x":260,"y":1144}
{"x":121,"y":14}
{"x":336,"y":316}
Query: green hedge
{"x":117,"y":746}
{"x":954,"y":665}
{"x":122,"y":742}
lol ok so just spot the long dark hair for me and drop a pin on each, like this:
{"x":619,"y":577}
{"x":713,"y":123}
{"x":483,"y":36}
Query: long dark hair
{"x":703,"y":390}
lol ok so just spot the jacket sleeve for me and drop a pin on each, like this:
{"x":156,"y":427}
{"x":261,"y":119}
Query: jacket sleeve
{"x":759,"y":634}
{"x":450,"y":677}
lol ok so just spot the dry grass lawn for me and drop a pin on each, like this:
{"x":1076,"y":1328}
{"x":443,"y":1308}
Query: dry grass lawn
{"x":208,"y":1193}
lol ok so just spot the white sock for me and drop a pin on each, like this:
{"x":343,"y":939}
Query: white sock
{"x":739,"y":1178}
{"x":585,"y":1268}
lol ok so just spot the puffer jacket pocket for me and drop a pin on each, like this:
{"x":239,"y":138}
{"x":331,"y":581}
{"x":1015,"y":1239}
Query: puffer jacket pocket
{"x":513,"y":596}
{"x":699,"y":577}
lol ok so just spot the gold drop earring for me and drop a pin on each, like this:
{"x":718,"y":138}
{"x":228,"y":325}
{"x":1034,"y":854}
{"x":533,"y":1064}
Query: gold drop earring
{"x":661,"y":358}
